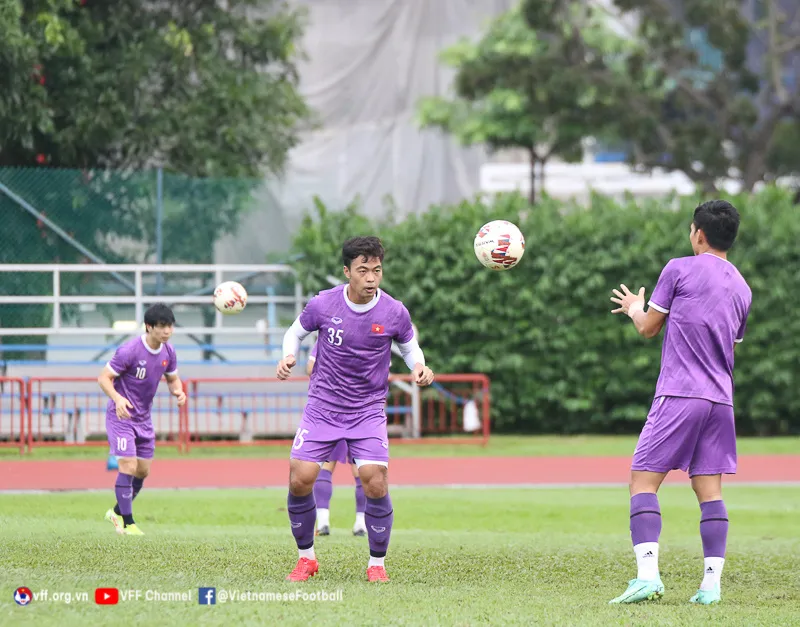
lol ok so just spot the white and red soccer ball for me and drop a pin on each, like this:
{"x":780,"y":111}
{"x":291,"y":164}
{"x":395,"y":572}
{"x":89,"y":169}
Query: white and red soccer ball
{"x":499,"y":245}
{"x":230,"y":297}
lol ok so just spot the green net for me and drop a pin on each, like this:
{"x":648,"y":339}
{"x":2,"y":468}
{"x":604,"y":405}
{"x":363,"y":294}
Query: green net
{"x":110,"y":216}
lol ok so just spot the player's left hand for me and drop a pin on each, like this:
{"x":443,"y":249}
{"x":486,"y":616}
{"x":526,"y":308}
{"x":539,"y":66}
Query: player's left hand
{"x":422,"y":375}
{"x":181,"y":396}
{"x":626,"y":299}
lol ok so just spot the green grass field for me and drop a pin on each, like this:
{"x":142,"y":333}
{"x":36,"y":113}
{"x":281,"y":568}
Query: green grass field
{"x":499,"y":446}
{"x":458,"y":557}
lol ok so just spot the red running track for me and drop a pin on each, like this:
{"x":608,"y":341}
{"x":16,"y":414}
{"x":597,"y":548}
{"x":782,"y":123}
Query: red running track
{"x":259,"y":473}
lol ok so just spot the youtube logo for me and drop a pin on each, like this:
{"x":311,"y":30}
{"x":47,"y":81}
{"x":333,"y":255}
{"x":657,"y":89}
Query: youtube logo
{"x":106,"y":596}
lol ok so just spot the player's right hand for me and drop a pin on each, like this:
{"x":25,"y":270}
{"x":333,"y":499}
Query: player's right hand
{"x":122,"y":408}
{"x":285,"y":366}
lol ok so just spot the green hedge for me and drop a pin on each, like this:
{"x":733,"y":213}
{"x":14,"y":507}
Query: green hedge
{"x":559,"y":361}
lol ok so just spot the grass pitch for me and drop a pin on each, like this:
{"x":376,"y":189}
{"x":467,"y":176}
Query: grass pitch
{"x":498,"y":446}
{"x":457,"y":557}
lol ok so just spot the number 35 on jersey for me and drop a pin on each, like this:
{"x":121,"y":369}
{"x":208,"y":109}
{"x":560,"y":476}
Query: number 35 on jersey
{"x":335,"y":336}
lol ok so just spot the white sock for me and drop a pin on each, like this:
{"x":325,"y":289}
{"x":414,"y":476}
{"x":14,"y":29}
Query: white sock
{"x":712,"y":572}
{"x":309,"y":553}
{"x":360,"y":524}
{"x":647,"y":560}
{"x":375,"y":561}
{"x":323,"y":518}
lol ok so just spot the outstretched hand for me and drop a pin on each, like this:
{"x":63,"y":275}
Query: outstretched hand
{"x":627,"y":301}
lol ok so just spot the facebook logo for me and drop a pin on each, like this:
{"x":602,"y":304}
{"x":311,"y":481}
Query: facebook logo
{"x":207,"y":596}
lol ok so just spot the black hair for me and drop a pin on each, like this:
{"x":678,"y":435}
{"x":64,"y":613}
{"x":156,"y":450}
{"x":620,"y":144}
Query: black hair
{"x":158,"y":314}
{"x":719,"y":220}
{"x":358,"y":247}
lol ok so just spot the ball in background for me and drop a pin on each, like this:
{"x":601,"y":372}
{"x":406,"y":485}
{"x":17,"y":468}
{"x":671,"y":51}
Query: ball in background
{"x":230,"y":297}
{"x":499,"y":245}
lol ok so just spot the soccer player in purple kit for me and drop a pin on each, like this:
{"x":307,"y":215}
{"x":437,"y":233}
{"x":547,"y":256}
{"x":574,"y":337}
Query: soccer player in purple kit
{"x":323,"y":486}
{"x":130,"y":380}
{"x":704,"y":303}
{"x":347,"y":396}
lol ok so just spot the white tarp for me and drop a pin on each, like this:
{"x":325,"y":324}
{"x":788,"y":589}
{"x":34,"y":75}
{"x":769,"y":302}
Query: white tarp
{"x":369,"y":62}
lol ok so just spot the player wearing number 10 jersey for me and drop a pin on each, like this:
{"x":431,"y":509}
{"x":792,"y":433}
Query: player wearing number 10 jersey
{"x":130,"y":380}
{"x":357,"y":323}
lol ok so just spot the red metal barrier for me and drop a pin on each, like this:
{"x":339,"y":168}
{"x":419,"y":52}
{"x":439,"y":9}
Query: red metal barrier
{"x":445,"y":404}
{"x":72,"y":410}
{"x":264,"y":410}
{"x":12,"y":413}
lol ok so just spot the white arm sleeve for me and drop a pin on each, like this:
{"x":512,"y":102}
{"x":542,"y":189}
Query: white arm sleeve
{"x":412,"y":353}
{"x":293,"y":337}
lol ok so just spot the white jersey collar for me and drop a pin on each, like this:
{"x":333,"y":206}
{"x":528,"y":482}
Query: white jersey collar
{"x":366,"y":306}
{"x":150,"y":350}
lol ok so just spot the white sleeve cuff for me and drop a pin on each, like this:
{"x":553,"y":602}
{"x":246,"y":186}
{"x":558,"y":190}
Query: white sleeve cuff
{"x":111,"y":370}
{"x":412,"y":353}
{"x":293,"y":337}
{"x":171,"y":373}
{"x":663,"y":310}
{"x":739,"y":340}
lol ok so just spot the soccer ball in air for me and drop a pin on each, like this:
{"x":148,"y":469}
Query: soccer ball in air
{"x":499,"y":245}
{"x":230,"y":297}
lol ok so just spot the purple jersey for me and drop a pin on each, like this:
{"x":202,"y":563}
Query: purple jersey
{"x":707,"y":302}
{"x":354,"y":348}
{"x":138,"y":369}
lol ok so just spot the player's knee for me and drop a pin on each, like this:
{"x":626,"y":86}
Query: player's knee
{"x":142,"y":472}
{"x":301,"y":481}
{"x":127,"y":465}
{"x":376,"y":483}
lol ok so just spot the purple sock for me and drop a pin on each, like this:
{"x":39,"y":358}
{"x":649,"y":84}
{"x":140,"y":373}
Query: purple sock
{"x":323,"y":489}
{"x":379,"y":516}
{"x":137,"y":485}
{"x":714,"y":528}
{"x":302,"y":516}
{"x":645,"y":518}
{"x":124,"y":491}
{"x":361,"y":500}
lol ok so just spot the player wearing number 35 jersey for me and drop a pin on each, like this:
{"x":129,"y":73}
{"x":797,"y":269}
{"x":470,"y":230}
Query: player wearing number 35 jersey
{"x":357,"y":323}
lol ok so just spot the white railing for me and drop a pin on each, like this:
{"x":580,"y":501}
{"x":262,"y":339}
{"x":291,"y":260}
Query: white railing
{"x":141,"y":300}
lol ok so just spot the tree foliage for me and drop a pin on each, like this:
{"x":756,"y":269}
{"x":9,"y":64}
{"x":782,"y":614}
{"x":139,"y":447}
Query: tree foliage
{"x":95,"y":95}
{"x":558,"y":360}
{"x":709,"y":83}
{"x":519,"y":88}
{"x":195,"y":86}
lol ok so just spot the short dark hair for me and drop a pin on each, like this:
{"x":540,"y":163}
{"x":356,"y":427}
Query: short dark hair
{"x":358,"y":247}
{"x":719,"y":220}
{"x":158,"y":314}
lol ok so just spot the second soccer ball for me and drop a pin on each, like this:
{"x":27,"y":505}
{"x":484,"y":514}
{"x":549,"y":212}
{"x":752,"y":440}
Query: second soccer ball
{"x":230,"y":297}
{"x":499,"y":245}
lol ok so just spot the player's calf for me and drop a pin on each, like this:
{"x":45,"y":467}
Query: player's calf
{"x":378,"y":516}
{"x":302,"y":510}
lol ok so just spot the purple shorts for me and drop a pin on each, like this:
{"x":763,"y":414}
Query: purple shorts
{"x":687,"y":434}
{"x":340,"y":454}
{"x":128,"y":438}
{"x":322,"y":434}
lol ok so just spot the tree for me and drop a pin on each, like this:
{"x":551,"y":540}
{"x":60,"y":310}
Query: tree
{"x":190,"y":85}
{"x":523,"y":88}
{"x":705,"y":97}
{"x":197,"y":87}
